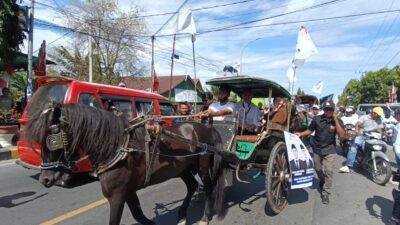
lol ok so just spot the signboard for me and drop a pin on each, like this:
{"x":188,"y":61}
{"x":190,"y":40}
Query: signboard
{"x":182,"y":95}
{"x":300,"y":162}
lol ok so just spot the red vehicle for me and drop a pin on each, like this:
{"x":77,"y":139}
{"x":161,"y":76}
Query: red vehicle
{"x":130,"y":102}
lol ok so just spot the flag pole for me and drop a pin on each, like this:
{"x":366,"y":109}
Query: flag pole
{"x":172,"y":68}
{"x":152,"y":58}
{"x":194,"y":69}
{"x":294,"y":78}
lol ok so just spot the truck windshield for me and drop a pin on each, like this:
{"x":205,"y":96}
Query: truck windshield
{"x":45,"y":95}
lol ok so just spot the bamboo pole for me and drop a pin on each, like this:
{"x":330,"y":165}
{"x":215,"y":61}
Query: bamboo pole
{"x":172,"y":68}
{"x":194,"y":69}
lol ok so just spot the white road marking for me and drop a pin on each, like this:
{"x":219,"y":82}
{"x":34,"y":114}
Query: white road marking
{"x":7,"y":162}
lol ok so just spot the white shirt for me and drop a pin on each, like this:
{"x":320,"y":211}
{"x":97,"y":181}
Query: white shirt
{"x":249,"y":114}
{"x":353,"y":119}
{"x":396,"y":135}
{"x":216,"y":107}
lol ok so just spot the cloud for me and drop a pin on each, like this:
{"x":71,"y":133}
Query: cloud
{"x":345,"y":46}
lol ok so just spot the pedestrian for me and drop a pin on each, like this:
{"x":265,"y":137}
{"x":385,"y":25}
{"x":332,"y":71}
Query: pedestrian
{"x":396,"y":176}
{"x":6,"y":101}
{"x":326,"y":127}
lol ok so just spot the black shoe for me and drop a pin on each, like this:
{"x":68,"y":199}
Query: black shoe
{"x":396,"y":176}
{"x":325,"y":199}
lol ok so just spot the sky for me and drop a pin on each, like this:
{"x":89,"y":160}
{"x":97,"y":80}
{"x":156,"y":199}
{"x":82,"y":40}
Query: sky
{"x":347,"y":47}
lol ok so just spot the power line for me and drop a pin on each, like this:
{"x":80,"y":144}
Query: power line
{"x":301,"y":21}
{"x":170,"y":18}
{"x":272,"y":17}
{"x":374,"y":40}
{"x":391,"y":59}
{"x":158,"y":14}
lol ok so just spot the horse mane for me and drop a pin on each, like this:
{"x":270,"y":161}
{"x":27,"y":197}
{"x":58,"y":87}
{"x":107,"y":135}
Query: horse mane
{"x":96,"y":132}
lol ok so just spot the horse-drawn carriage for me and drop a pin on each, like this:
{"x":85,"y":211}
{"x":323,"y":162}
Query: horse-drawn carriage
{"x":132,"y":156}
{"x":265,"y":151}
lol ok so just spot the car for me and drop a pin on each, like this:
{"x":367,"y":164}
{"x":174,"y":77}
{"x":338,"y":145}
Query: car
{"x":128,"y":102}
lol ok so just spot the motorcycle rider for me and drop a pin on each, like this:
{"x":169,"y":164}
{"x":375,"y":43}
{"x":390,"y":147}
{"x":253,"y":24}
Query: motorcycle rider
{"x":396,"y":176}
{"x":350,"y":117}
{"x":367,"y":123}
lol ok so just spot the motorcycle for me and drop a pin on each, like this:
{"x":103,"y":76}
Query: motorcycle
{"x":388,"y":132}
{"x":350,"y":135}
{"x":373,"y":158}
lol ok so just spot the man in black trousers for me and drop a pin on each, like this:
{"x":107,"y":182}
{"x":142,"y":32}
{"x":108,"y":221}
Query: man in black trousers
{"x":326,"y":127}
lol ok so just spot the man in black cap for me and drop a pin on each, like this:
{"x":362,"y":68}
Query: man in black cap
{"x":326,"y":126}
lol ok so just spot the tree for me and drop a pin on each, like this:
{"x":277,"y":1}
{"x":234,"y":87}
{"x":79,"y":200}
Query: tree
{"x":300,"y":91}
{"x":11,"y":34}
{"x":115,"y":34}
{"x":373,"y":87}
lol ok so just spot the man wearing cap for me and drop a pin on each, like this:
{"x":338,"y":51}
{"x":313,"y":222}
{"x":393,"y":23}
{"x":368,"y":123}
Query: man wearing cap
{"x":350,"y":117}
{"x":366,"y":123}
{"x":326,"y":127}
{"x":315,"y":111}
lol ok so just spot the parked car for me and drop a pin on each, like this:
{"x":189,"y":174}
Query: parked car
{"x":129,"y":102}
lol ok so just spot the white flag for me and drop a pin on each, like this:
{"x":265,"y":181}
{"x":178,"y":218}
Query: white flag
{"x":318,"y":88}
{"x":291,"y":74}
{"x":305,"y":47}
{"x":185,"y":23}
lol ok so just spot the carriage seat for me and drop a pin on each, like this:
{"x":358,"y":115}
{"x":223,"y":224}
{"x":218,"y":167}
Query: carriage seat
{"x":247,"y":138}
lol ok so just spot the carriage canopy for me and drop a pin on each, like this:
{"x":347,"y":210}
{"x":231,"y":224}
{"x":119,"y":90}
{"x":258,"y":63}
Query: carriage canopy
{"x":259,"y":86}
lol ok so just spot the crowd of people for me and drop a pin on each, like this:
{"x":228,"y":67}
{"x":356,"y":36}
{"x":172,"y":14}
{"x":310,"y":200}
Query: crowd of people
{"x":324,"y":123}
{"x":251,"y":118}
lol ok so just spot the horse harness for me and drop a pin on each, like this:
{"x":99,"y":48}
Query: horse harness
{"x":150,"y":154}
{"x":57,"y":139}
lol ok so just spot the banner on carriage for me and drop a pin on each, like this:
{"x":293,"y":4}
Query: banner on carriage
{"x":300,"y":162}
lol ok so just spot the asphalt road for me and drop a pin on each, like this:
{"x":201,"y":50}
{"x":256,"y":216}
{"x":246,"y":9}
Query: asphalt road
{"x":356,"y":200}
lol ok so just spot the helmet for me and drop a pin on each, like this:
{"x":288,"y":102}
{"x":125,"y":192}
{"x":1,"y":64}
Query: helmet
{"x":350,"y":109}
{"x":328,"y":105}
{"x":315,"y":107}
{"x":397,"y":112}
{"x":379,"y":111}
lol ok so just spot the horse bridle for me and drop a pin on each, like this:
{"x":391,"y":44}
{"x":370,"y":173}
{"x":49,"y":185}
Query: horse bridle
{"x":57,"y":140}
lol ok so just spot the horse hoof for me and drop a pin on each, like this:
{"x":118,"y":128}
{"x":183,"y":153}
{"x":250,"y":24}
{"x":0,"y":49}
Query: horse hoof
{"x":182,"y":222}
{"x":203,"y":223}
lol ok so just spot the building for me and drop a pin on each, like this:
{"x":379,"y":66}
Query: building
{"x":182,"y":87}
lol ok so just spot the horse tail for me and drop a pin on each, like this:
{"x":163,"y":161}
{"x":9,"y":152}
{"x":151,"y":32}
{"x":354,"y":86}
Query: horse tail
{"x":218,"y":177}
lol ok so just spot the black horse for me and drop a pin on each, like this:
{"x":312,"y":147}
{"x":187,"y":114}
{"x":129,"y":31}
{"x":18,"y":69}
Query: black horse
{"x":101,"y":135}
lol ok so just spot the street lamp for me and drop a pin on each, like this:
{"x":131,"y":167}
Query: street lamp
{"x":241,"y":54}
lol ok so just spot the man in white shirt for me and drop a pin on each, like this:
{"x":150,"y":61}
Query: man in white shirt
{"x":350,"y":117}
{"x":249,"y":114}
{"x":222,"y":110}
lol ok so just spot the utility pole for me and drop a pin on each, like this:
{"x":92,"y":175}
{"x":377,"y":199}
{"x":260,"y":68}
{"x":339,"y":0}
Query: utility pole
{"x":29,"y":88}
{"x":90,"y":56}
{"x":90,"y":52}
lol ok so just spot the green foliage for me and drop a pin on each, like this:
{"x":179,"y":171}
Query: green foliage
{"x":300,"y":91}
{"x":373,"y":87}
{"x":17,"y":87}
{"x":11,"y":34}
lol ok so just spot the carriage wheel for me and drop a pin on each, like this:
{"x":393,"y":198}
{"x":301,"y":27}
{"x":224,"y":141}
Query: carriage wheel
{"x":277,"y":178}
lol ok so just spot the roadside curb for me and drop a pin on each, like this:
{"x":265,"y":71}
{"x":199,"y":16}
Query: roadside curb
{"x":9,"y":153}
